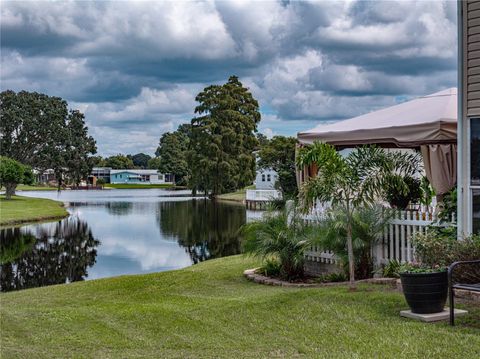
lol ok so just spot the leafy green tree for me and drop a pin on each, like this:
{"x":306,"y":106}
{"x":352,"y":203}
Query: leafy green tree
{"x":154,"y":163}
{"x":222,"y":138}
{"x":79,"y":146}
{"x":13,"y":173}
{"x":119,"y":162}
{"x":40,"y":131}
{"x":350,"y":183}
{"x":140,"y":160}
{"x":172,"y":151}
{"x":262,"y":140}
{"x":98,"y":161}
{"x":279,"y":155}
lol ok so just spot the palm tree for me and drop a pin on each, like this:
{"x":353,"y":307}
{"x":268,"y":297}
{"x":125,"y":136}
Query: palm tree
{"x":282,"y":236}
{"x":367,"y":227}
{"x":350,"y":182}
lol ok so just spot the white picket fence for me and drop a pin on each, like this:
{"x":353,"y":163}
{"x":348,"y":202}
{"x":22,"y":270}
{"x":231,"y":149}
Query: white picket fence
{"x":396,"y":241}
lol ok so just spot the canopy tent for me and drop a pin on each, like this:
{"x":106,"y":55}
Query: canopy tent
{"x":428,"y":123}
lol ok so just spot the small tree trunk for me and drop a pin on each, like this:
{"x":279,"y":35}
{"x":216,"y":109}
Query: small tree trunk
{"x":10,"y":190}
{"x":351,"y":259}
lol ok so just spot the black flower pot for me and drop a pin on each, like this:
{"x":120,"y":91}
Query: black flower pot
{"x":425,"y":293}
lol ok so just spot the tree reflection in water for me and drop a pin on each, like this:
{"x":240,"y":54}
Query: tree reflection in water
{"x":206,"y":229}
{"x":55,"y":254}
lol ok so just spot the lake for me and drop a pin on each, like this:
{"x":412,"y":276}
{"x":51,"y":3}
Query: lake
{"x":117,"y":232}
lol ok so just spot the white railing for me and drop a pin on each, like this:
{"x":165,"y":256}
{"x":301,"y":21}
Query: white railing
{"x":396,"y":241}
{"x":262,"y":195}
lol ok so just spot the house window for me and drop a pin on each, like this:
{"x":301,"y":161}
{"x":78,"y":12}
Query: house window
{"x":476,"y":211}
{"x":269,"y":178}
{"x":475,"y":172}
{"x":475,"y":151}
{"x":263,"y":178}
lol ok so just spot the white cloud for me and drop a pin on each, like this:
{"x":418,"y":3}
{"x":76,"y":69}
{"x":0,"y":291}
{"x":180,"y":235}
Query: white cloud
{"x":135,"y":67}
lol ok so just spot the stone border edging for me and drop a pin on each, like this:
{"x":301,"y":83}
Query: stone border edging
{"x":261,"y":279}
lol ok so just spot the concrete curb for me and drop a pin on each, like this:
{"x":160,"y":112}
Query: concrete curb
{"x":261,"y":279}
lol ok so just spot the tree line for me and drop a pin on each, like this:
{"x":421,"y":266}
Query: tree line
{"x":217,"y":152}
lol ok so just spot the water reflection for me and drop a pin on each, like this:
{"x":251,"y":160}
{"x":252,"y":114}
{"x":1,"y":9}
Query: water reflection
{"x":205,"y":229}
{"x":141,"y":231}
{"x":59,"y":253}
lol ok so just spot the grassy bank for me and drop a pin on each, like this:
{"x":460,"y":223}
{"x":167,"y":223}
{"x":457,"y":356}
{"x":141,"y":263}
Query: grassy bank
{"x":211,"y":311}
{"x":138,"y":186}
{"x":25,"y":210}
{"x":238,"y":196}
{"x":23,"y":187}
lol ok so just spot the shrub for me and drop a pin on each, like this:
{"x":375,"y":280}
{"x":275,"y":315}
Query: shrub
{"x":101,"y":181}
{"x":368,"y":224}
{"x":448,"y":206}
{"x":391,"y":269}
{"x":440,"y":247}
{"x":271,"y":268}
{"x":332,"y":277}
{"x":282,"y":236}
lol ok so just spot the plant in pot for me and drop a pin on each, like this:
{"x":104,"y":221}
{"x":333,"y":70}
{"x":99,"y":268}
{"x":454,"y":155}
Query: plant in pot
{"x":425,"y":283}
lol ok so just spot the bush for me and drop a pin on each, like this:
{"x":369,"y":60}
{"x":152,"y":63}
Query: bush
{"x":368,"y":224}
{"x":391,"y":269}
{"x":101,"y":181}
{"x":282,"y":236}
{"x":440,"y":247}
{"x":448,"y":206}
{"x":332,"y":278}
{"x":271,"y":268}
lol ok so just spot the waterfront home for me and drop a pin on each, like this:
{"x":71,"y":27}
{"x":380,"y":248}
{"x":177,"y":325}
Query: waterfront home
{"x":468,"y":181}
{"x":129,"y":176}
{"x":265,"y":179}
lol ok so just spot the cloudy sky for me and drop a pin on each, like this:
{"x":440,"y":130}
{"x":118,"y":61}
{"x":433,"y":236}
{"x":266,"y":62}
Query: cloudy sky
{"x":134,"y":67}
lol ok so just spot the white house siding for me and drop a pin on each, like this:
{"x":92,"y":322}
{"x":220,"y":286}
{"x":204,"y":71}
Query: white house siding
{"x":266,"y":179}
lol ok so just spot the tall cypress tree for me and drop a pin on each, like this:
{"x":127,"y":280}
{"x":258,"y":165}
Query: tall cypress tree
{"x":223,"y":138}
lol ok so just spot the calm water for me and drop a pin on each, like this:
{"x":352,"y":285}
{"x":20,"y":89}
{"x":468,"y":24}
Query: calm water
{"x":117,"y":232}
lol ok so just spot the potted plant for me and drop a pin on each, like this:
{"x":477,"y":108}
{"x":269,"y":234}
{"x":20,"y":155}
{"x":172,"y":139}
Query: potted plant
{"x":425,"y":287}
{"x":425,"y":283}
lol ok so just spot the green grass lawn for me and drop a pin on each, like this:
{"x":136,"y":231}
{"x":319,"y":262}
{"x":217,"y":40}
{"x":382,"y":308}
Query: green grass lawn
{"x":25,"y":209}
{"x":238,"y":196}
{"x":23,"y":187}
{"x":211,"y":311}
{"x":138,"y":186}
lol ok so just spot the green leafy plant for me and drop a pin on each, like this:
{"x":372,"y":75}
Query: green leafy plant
{"x":282,"y":236}
{"x":332,"y":278}
{"x":350,"y":182}
{"x":100,"y":182}
{"x":439,"y":247}
{"x":271,"y":268}
{"x":391,"y":269}
{"x":448,"y":206}
{"x":427,"y":192}
{"x":368,"y":223}
{"x":414,"y":267}
{"x":399,"y":196}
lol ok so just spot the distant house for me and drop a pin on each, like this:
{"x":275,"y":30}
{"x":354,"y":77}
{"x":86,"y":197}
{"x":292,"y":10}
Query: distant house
{"x":265,"y":179}
{"x":130,"y":176}
{"x":45,"y":177}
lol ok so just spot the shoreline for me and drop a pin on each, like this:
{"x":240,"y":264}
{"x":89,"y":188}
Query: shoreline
{"x":29,"y":210}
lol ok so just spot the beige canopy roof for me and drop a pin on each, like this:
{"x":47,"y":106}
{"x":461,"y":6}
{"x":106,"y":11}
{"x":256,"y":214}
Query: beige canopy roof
{"x":425,"y":120}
